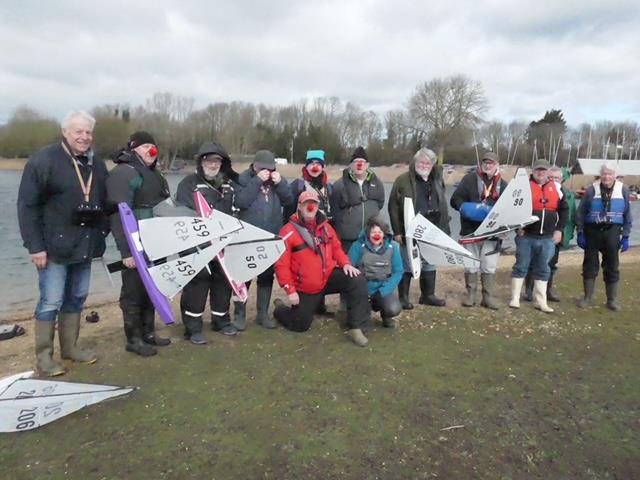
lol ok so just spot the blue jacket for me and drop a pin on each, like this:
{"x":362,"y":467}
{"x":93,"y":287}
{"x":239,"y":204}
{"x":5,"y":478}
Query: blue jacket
{"x":256,"y":208}
{"x":385,"y":287}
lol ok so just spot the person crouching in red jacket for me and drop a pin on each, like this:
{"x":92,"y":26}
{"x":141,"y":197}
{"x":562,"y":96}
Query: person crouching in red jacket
{"x":307,"y":271}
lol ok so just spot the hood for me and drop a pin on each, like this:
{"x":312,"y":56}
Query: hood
{"x":126,"y":156}
{"x":347,"y":175}
{"x":215,"y":148}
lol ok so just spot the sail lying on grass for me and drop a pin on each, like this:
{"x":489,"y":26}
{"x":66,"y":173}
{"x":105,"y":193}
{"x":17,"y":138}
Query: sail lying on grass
{"x":512,"y":210}
{"x":436,"y":247}
{"x":27,"y":403}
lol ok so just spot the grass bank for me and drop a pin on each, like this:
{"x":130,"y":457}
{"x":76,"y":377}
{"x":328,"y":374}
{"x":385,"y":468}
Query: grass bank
{"x":452,"y":393}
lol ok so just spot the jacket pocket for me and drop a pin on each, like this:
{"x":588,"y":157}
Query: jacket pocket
{"x":61,"y":242}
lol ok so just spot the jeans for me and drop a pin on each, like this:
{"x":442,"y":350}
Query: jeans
{"x":62,"y":288}
{"x":533,"y":254}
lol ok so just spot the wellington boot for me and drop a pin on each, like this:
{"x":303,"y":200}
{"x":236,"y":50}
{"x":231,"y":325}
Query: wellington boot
{"x":240,"y":315}
{"x":516,"y":288}
{"x":68,"y":332}
{"x":471,"y":284}
{"x":388,"y":322}
{"x":404,"y":288}
{"x":612,"y":296}
{"x":138,"y":347}
{"x":552,"y":294}
{"x":45,"y":363}
{"x":489,"y":291}
{"x":427,"y":290}
{"x":149,"y":335}
{"x":263,"y":298}
{"x":358,"y":337}
{"x":133,"y":332}
{"x":528,"y":288}
{"x":589,"y":287}
{"x":540,"y":296}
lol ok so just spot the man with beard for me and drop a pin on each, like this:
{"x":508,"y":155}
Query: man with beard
{"x":475,"y":196}
{"x":215,"y":179}
{"x":313,"y":265}
{"x":423,"y":183}
{"x":138,"y":182}
{"x":603,"y":221}
{"x":60,"y":210}
{"x":261,"y":196}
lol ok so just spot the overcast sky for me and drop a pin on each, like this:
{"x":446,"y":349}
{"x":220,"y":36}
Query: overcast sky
{"x":580,"y":56}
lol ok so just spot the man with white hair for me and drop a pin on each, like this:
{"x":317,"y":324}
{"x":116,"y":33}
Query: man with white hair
{"x":423,"y":183}
{"x":60,"y":211}
{"x":603,"y":221}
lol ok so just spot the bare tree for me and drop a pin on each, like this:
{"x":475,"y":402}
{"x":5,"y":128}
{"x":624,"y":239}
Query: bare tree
{"x":442,"y":106}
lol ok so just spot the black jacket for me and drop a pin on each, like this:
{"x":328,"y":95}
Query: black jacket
{"x":219,"y":195}
{"x":48,"y":195}
{"x":139,"y":186}
{"x":468,"y":191}
{"x":355,"y":205}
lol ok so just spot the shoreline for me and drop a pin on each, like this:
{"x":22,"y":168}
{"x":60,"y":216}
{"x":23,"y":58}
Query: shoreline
{"x":387,"y":174}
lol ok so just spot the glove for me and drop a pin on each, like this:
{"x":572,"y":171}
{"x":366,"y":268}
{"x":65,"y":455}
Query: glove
{"x":474,"y":211}
{"x":624,"y":244}
{"x":582,"y":240}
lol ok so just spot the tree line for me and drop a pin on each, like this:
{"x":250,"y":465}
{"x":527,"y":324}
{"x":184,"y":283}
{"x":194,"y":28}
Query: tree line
{"x":445,"y":114}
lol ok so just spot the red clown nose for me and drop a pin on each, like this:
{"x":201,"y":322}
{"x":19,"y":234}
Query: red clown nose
{"x":311,"y":207}
{"x":377,"y":237}
{"x":360,"y":164}
{"x":153,"y":151}
{"x":316,"y":169}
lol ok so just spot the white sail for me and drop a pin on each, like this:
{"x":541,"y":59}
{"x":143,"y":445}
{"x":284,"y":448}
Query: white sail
{"x":436,"y":247}
{"x":412,"y":251}
{"x":246,"y":260}
{"x":164,"y":236}
{"x":512,"y":210}
{"x":171,"y":277}
{"x":27,"y":403}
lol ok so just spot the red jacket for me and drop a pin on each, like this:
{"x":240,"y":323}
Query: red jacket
{"x":307,"y":264}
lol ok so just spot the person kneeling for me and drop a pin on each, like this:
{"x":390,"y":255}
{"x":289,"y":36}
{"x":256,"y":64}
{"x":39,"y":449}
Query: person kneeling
{"x":378,"y":255}
{"x":307,"y":271}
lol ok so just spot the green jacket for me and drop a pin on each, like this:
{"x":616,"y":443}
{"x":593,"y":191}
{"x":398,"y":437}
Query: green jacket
{"x":405,"y":186}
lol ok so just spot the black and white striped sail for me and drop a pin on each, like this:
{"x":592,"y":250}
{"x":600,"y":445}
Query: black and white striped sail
{"x":27,"y":403}
{"x":162,"y":237}
{"x":436,"y":247}
{"x":511,"y":211}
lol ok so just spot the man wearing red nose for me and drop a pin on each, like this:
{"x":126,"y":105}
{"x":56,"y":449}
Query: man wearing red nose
{"x":359,"y":196}
{"x":313,"y":265}
{"x":136,"y":181}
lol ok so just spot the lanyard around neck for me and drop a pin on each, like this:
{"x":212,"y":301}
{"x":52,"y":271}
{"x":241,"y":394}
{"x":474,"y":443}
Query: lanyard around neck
{"x":86,"y":187}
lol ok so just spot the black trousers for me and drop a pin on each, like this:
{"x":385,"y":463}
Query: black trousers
{"x":553,"y":263}
{"x":133,"y":295}
{"x":605,"y":240}
{"x":194,"y":298}
{"x":299,"y":317}
{"x":389,"y":306}
{"x":265,"y":279}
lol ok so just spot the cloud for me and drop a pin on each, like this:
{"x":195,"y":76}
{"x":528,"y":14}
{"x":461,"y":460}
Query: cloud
{"x":530,"y":56}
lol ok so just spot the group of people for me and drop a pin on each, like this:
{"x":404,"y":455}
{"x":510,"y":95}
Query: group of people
{"x":335,"y":236}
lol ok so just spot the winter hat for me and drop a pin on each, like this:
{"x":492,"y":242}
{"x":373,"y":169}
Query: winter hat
{"x":541,"y":164}
{"x":308,"y":195}
{"x":492,"y":157}
{"x":212,"y":148}
{"x":264,"y":159}
{"x":315,"y":156}
{"x":359,"y":152}
{"x":140,"y":138}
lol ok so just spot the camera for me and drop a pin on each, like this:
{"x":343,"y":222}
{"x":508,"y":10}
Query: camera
{"x":87,"y":215}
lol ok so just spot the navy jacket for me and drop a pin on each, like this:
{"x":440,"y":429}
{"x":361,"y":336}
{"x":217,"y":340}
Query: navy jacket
{"x":48,"y":195}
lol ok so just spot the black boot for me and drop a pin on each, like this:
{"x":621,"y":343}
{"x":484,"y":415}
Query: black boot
{"x":612,"y":296}
{"x":552,"y":294}
{"x":240,"y":315}
{"x":428,"y":288}
{"x":528,"y":288}
{"x":133,"y":332}
{"x":404,"y":288}
{"x":263,"y":297}
{"x":589,"y":288}
{"x":149,"y":330}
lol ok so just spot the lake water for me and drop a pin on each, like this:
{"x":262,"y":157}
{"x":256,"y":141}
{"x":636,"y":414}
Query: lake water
{"x":19,"y":292}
